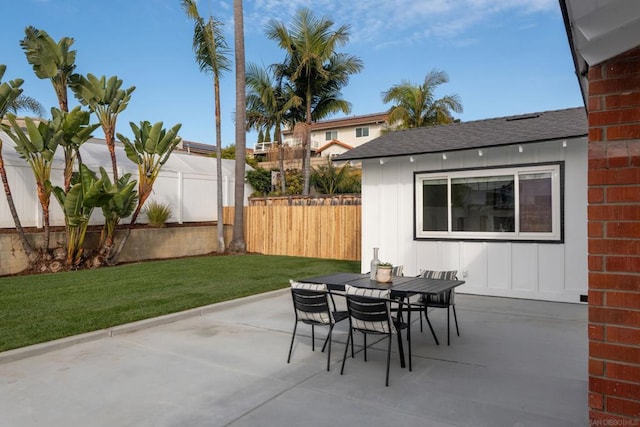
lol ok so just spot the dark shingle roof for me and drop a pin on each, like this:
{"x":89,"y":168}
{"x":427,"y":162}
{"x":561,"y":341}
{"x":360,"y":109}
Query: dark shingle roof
{"x":522,"y":129}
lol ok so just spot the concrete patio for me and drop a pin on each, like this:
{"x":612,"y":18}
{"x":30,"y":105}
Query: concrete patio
{"x":516,"y":363}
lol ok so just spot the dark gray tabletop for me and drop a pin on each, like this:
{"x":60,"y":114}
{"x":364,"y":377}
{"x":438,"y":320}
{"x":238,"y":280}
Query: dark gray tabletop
{"x":399,"y":285}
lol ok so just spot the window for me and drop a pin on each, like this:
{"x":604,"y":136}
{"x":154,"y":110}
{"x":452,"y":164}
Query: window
{"x":360,"y":132}
{"x":330,"y":135}
{"x":515,"y":203}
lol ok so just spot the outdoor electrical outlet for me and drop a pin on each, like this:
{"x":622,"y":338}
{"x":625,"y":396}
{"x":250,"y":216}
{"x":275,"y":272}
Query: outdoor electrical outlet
{"x":465,"y":273}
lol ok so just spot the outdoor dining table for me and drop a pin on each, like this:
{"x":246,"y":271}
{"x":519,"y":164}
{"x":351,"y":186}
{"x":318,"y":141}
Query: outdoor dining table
{"x":402,"y":287}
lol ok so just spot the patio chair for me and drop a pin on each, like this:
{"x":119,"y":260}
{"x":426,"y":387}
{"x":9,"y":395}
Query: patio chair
{"x":441,"y":300}
{"x":397,"y":271}
{"x":311,"y":306}
{"x":370,"y":313}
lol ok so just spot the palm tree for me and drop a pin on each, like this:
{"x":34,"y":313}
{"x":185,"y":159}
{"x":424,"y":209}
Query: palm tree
{"x":416,"y":105}
{"x":9,"y":92}
{"x":106,"y":100}
{"x":316,"y":70}
{"x":211,"y":51}
{"x":269,"y":101}
{"x":238,"y":245}
{"x":26,"y":103}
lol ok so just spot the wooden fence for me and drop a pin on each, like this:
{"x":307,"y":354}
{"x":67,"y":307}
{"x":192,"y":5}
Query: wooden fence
{"x":309,"y":231}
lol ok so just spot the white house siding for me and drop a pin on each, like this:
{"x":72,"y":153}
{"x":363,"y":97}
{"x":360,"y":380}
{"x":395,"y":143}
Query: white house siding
{"x":545,"y":271}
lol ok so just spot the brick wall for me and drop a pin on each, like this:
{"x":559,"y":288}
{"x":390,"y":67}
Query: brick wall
{"x":614,"y":241}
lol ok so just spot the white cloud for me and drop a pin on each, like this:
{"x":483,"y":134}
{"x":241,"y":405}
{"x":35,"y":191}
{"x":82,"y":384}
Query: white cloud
{"x":386,"y":23}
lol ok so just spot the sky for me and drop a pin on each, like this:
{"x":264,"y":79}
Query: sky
{"x":503,"y":57}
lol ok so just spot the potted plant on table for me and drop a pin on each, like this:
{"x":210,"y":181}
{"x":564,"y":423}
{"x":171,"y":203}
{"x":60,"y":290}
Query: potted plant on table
{"x":383,"y":273}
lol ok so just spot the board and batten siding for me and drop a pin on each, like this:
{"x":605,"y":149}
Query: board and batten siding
{"x":544,"y":271}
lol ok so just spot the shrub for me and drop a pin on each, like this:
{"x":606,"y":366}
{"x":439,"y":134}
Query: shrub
{"x":157,"y":213}
{"x":260,"y":180}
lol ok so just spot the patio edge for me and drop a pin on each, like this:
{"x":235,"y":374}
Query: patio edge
{"x":46,"y":347}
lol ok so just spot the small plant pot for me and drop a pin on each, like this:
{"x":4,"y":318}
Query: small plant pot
{"x":383,"y":274}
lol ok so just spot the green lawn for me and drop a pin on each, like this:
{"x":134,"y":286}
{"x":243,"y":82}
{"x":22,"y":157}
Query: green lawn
{"x":40,"y":308}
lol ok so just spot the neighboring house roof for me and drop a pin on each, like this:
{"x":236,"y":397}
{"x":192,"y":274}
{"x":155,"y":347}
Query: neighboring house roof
{"x":521,"y":129}
{"x":332,"y":143}
{"x":346,"y":121}
{"x":197,"y":148}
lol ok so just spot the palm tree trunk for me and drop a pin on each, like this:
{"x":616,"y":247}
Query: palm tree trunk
{"x":278,"y":138}
{"x":220,"y":225}
{"x":306,"y":170}
{"x":26,"y":246}
{"x":238,"y":244}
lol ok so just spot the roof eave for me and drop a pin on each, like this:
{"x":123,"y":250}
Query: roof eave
{"x":346,"y":156}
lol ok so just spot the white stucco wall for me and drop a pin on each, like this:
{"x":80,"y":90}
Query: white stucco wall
{"x":545,"y":271}
{"x":347,"y":135}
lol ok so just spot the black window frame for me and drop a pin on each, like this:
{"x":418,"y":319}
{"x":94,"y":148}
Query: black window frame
{"x":557,"y":235}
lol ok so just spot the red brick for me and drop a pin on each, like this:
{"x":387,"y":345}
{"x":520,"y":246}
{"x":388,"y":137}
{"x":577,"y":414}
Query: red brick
{"x":595,"y":134}
{"x":596,"y":195}
{"x":623,"y":229}
{"x":619,"y":371}
{"x":596,"y":298}
{"x":614,"y":176}
{"x":624,"y":299}
{"x":596,"y":401}
{"x":610,"y":117}
{"x":594,"y":103}
{"x":623,"y":68}
{"x":634,"y":153}
{"x":614,"y":85}
{"x":628,"y":264}
{"x":597,"y":150}
{"x":596,"y":367}
{"x":623,"y":282}
{"x":614,"y":247}
{"x":624,"y":407}
{"x":596,"y":229}
{"x":614,"y":388}
{"x":621,"y":353}
{"x":617,"y":334}
{"x":595,"y":73}
{"x":597,"y":177}
{"x":613,"y":212}
{"x":623,"y":132}
{"x":623,"y":176}
{"x":612,"y":316}
{"x":598,"y":163}
{"x":631,"y":53}
{"x":596,"y":332}
{"x":629,"y":193}
{"x":631,"y":99}
{"x":596,"y":263}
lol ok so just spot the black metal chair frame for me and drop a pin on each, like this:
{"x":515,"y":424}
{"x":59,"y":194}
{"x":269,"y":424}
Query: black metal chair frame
{"x":370,"y":309}
{"x":443,"y":300}
{"x":448,"y":301}
{"x":316,"y":302}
